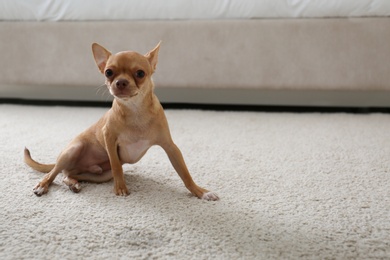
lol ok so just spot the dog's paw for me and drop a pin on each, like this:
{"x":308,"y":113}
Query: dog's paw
{"x":39,"y":190}
{"x":72,"y":184}
{"x":76,"y":188}
{"x":121,"y":190}
{"x":211,"y":196}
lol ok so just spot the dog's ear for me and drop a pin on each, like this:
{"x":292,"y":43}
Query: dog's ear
{"x":152,"y":56}
{"x":101,"y":56}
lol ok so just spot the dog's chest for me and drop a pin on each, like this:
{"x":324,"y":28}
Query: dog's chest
{"x":132,"y":152}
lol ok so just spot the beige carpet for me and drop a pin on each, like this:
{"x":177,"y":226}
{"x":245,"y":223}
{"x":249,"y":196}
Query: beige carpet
{"x":292,"y":186}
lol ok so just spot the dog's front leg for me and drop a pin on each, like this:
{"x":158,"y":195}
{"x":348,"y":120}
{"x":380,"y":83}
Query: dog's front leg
{"x":178,"y":163}
{"x":111,"y":144}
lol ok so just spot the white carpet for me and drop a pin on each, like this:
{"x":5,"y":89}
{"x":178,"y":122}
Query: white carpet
{"x":307,"y":186}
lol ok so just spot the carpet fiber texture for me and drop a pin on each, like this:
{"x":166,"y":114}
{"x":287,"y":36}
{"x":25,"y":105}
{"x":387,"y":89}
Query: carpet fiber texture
{"x":292,"y":186}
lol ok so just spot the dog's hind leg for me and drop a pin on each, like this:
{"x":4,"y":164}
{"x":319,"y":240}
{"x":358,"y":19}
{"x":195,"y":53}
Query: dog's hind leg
{"x":73,"y":181}
{"x":43,"y":186}
{"x":66,"y":159}
{"x":93,"y":177}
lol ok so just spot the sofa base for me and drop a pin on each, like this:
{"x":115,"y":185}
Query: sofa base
{"x":321,"y":62}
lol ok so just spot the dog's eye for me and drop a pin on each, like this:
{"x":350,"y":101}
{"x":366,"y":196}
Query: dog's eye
{"x":109,"y":73}
{"x":140,"y":74}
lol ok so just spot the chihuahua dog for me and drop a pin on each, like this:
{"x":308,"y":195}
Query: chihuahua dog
{"x":135,"y":122}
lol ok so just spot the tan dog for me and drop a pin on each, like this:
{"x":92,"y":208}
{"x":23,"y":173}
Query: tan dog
{"x":135,"y":122}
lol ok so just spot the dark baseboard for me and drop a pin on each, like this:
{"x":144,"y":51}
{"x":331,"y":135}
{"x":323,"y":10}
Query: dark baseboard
{"x":214,"y":107}
{"x":287,"y":109}
{"x":67,"y":103}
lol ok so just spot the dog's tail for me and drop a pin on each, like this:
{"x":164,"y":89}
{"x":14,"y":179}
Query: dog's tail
{"x":45,"y":168}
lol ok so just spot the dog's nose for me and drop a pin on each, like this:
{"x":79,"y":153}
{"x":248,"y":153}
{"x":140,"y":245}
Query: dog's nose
{"x":122,"y":83}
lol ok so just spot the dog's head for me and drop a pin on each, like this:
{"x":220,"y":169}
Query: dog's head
{"x":128,"y":74}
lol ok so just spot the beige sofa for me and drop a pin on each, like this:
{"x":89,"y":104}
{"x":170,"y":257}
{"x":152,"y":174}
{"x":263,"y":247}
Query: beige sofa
{"x":310,"y":62}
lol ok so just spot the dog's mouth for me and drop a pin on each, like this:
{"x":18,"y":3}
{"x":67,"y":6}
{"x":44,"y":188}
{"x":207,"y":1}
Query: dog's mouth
{"x":124,"y":96}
